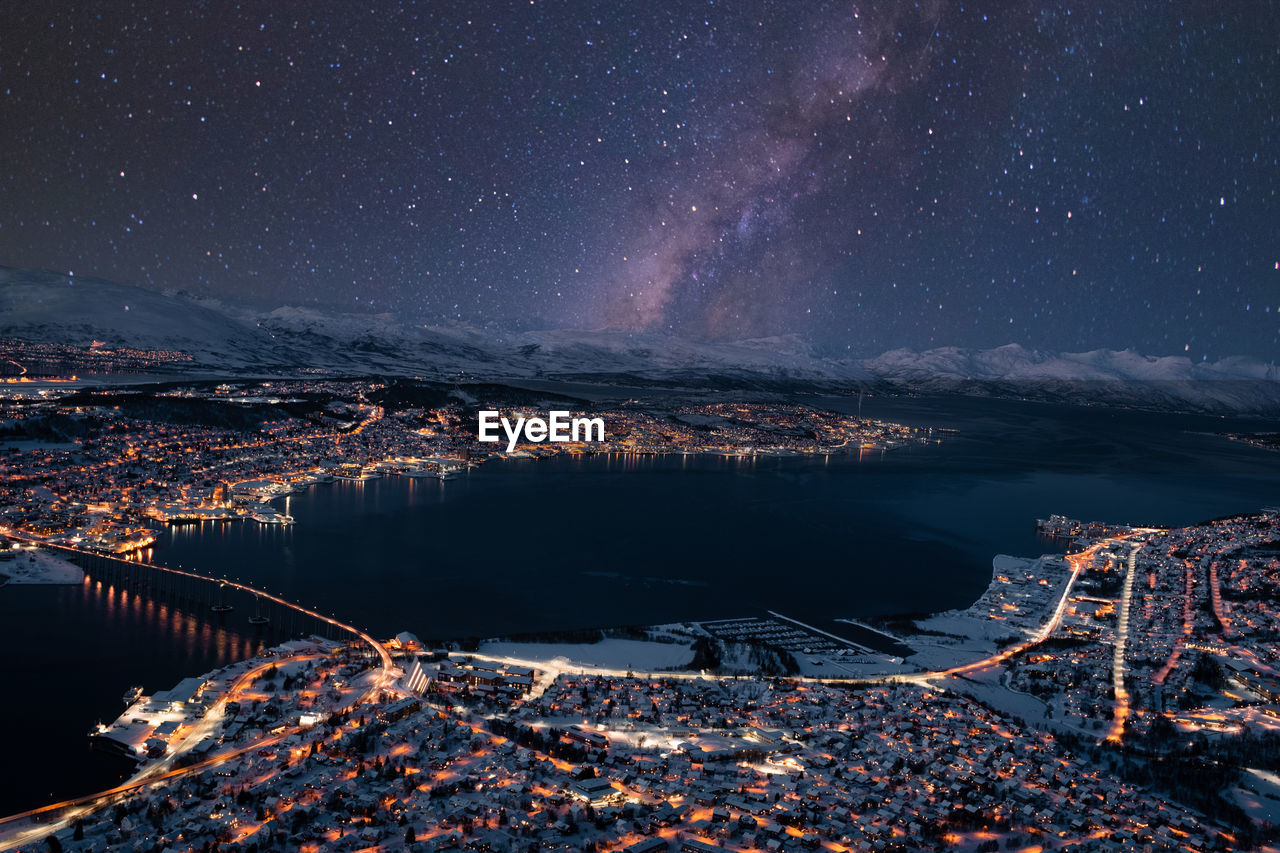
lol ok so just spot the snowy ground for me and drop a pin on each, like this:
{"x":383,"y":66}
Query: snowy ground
{"x":873,"y":629}
{"x":609,"y":654}
{"x":985,"y":686}
{"x":935,"y":656}
{"x":1005,"y":610}
{"x":857,"y":666}
{"x":968,"y":625}
{"x":1259,"y":795}
{"x":39,"y":567}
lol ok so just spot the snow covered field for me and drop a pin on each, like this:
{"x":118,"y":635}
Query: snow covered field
{"x":608,"y":654}
{"x":1259,"y":795}
{"x":1022,"y":593}
{"x":39,"y":567}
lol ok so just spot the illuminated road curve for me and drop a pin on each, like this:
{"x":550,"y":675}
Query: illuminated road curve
{"x":152,"y":774}
{"x":1079,"y":562}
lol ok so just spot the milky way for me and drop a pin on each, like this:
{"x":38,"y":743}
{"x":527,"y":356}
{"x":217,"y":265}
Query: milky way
{"x":865,"y":176}
{"x":706,"y":238}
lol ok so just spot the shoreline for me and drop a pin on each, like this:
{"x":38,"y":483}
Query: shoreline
{"x":868,"y":627}
{"x":183,"y":516}
{"x":853,"y":672}
{"x":36,"y":567}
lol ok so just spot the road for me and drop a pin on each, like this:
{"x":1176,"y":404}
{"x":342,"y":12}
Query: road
{"x":384,"y":681}
{"x":1122,"y":708}
{"x":383,"y":655}
{"x":159,"y":772}
{"x":1079,"y":563}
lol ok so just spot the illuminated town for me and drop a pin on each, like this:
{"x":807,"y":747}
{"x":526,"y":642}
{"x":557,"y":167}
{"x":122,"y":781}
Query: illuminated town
{"x":1120,"y":695}
{"x":1034,"y":719}
{"x":121,"y":459}
{"x":1115,"y":694}
{"x":681,"y":427}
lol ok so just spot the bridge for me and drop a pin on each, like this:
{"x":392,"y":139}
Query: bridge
{"x":195,"y":591}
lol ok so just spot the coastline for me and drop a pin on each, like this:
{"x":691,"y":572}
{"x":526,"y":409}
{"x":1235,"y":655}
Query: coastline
{"x":30,"y":566}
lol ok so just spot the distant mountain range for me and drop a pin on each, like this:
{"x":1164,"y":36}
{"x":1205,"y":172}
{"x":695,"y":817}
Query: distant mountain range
{"x":54,"y":308}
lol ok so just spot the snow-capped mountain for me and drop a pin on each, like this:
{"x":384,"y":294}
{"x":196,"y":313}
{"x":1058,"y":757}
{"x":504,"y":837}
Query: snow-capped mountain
{"x":75,"y":311}
{"x":1014,"y":363}
{"x":45,"y":306}
{"x":1099,"y":377}
{"x":56,"y":308}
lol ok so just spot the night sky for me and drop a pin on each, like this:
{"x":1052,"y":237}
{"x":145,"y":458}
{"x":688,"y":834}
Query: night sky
{"x":866,"y":176}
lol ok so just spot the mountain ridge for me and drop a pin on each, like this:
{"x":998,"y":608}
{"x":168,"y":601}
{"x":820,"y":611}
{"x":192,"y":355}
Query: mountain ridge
{"x":50,"y":307}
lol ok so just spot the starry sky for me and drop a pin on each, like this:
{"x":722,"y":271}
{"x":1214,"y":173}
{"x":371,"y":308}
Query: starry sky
{"x":863,"y":175}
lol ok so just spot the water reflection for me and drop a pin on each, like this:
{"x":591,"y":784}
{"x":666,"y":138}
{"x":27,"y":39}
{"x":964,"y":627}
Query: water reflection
{"x":81,"y":646}
{"x":130,"y":612}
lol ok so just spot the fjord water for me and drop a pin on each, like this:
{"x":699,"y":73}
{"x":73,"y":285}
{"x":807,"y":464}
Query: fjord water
{"x":533,"y":545}
{"x":70,"y":654}
{"x":537,"y":545}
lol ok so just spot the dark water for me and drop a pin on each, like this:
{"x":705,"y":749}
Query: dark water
{"x":527,"y":545}
{"x":70,"y":654}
